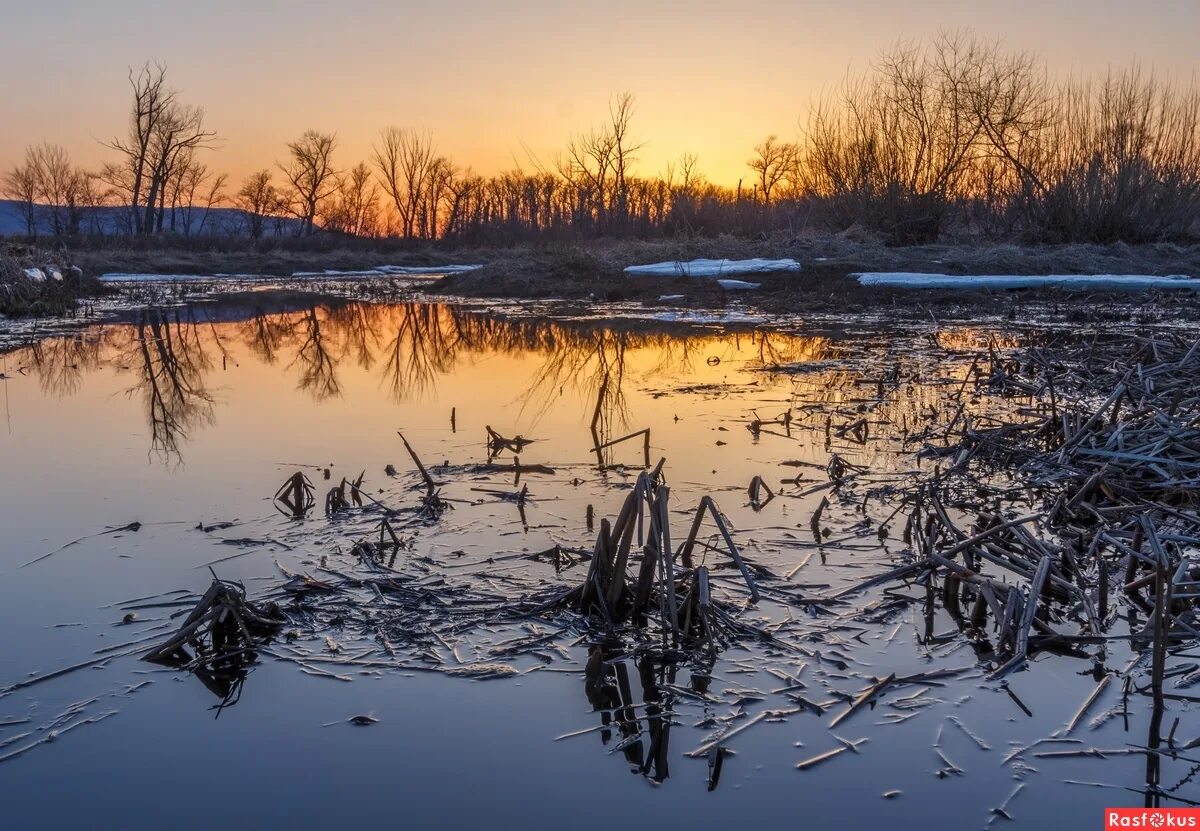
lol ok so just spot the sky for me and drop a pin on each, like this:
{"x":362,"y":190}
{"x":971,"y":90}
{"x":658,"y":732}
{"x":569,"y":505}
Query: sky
{"x":498,"y":83}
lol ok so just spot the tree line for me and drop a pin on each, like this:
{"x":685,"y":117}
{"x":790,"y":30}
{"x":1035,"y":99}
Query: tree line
{"x":955,"y":135}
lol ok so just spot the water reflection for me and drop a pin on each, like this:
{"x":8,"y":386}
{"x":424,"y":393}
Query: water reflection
{"x":62,"y":362}
{"x":172,"y":354}
{"x":170,"y":360}
{"x":643,"y":728}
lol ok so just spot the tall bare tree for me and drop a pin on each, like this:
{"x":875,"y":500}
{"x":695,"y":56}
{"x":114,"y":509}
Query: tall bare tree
{"x":404,"y":160}
{"x":61,"y":187}
{"x":597,"y":166}
{"x":194,"y":192}
{"x":151,"y":99}
{"x":177,"y":135}
{"x":161,"y":132}
{"x":311,"y":176}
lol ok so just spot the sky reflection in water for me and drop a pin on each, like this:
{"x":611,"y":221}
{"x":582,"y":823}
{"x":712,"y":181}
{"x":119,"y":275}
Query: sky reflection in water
{"x":195,"y":415}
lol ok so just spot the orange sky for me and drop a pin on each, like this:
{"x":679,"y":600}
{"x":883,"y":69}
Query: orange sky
{"x":491,"y":78}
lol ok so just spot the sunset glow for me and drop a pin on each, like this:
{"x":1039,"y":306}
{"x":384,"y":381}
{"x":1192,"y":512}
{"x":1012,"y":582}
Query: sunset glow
{"x":504,"y":85}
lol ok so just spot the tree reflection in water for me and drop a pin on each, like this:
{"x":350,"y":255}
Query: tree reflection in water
{"x":409,"y":345}
{"x":170,"y":359}
{"x":60,"y":363}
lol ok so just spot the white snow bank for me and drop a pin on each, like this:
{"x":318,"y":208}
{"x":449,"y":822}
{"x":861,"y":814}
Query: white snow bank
{"x":712,"y":268}
{"x":1116,"y":282}
{"x":41,"y":275}
{"x":738,"y":285}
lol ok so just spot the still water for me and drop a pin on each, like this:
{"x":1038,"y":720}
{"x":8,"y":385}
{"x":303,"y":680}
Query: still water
{"x":186,"y":421}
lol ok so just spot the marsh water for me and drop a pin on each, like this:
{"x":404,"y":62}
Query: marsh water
{"x":138,"y":454}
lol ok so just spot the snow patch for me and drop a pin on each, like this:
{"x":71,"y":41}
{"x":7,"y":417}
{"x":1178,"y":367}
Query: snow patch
{"x":712,"y":268}
{"x":738,"y":285}
{"x":1117,"y":282}
{"x":36,"y":275}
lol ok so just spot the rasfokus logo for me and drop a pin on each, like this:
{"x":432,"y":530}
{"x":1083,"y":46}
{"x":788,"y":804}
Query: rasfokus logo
{"x":1151,"y":818}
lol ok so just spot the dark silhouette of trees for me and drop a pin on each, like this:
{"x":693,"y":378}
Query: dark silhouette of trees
{"x":773,"y":161}
{"x":162,"y":139}
{"x":354,"y":205}
{"x":257,"y":199}
{"x":957,"y":133}
{"x":48,"y":187}
{"x":311,"y":176}
{"x":405,"y":161}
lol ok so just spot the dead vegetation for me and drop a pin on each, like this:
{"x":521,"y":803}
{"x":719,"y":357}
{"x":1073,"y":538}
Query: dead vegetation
{"x":1014,"y":505}
{"x":36,"y":283}
{"x":1039,"y":532}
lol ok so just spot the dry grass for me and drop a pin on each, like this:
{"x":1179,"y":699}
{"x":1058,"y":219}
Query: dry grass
{"x":593,"y":270}
{"x":21,"y":296}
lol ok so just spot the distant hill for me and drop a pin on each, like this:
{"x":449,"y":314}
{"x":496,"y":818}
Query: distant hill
{"x":112,"y":220}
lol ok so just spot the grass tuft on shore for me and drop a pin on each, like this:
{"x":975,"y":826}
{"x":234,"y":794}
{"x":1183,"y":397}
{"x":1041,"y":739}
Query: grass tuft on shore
{"x":36,"y":283}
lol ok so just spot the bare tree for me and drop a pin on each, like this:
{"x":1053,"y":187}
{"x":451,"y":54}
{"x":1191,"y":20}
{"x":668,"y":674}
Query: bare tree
{"x":195,"y":191}
{"x":162,"y":132}
{"x":690,"y":177}
{"x":91,"y":199}
{"x":61,"y":187}
{"x":47,"y":184}
{"x":620,"y":114}
{"x":355,"y":208}
{"x":21,"y":185}
{"x":772,"y":162}
{"x":311,"y":175}
{"x":461,"y":188}
{"x":151,"y":99}
{"x":177,"y":135}
{"x":898,"y":145}
{"x":257,"y":199}
{"x":404,"y":160}
{"x":597,"y":165}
